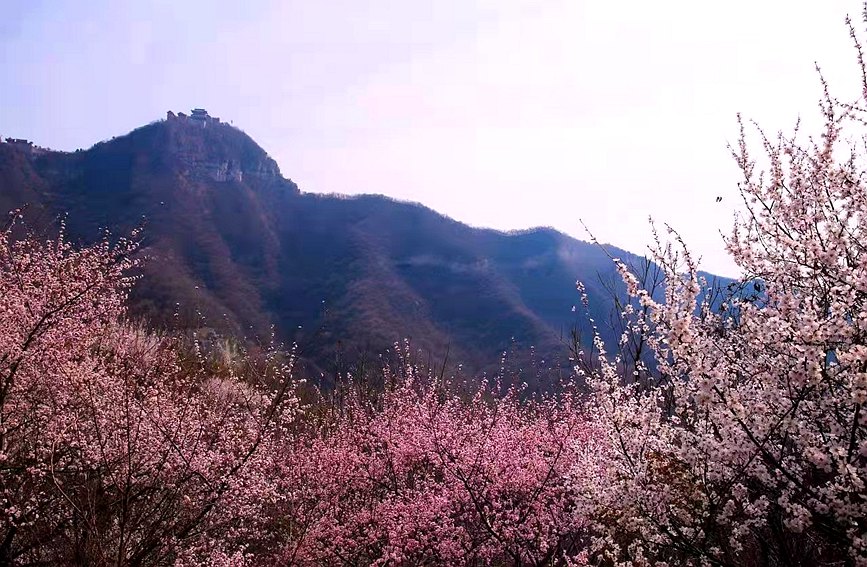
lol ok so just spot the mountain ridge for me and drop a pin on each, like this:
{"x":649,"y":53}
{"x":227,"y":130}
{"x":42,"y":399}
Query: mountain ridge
{"x":230,"y":238}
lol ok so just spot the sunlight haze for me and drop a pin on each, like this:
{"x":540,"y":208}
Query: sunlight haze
{"x":505,"y":114}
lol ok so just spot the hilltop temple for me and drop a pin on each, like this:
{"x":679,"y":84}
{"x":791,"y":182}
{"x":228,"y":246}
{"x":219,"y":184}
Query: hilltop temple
{"x":196,"y":116}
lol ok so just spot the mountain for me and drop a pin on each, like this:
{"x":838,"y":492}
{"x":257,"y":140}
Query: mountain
{"x":233,"y":245}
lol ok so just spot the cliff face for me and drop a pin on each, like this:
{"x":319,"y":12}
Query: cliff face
{"x":213,"y":150}
{"x":232,"y":244}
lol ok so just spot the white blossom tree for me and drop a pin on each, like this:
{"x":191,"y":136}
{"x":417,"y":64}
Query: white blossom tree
{"x":744,"y":442}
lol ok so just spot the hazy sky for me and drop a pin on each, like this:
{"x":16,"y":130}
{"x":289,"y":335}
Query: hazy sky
{"x":500,"y":113}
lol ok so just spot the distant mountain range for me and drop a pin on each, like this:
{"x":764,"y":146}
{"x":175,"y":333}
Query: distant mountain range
{"x":227,"y":236}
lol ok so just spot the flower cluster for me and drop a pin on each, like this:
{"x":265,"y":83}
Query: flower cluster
{"x":126,"y":447}
{"x":744,"y":439}
{"x":425,"y":476}
{"x":113,"y":448}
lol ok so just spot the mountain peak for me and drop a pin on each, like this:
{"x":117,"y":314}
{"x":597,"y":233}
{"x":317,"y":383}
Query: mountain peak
{"x":206,"y":147}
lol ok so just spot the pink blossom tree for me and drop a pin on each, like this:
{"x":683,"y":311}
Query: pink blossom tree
{"x":112,"y":449}
{"x":122,"y":446}
{"x":425,"y":476}
{"x":744,"y":440}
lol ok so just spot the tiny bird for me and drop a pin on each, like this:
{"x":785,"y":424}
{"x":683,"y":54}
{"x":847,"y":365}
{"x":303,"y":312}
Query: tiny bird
{"x":719,"y":199}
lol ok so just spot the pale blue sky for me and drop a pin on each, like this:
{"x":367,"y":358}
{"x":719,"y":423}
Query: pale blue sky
{"x":500,"y":113}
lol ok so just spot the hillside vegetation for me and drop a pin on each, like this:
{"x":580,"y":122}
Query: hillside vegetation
{"x":713,"y":431}
{"x":232,"y":241}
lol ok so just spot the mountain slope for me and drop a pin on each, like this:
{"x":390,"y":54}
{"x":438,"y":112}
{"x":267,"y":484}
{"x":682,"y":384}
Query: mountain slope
{"x":227,"y":236}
